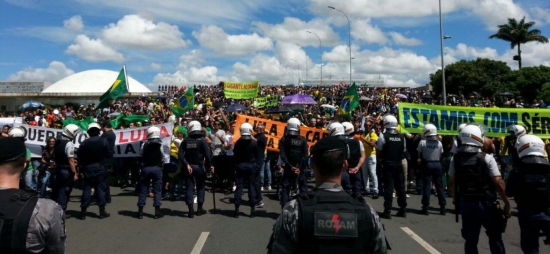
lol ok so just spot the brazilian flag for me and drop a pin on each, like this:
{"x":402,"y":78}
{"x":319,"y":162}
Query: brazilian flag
{"x":117,"y":89}
{"x":349,"y":102}
{"x":185,"y":103}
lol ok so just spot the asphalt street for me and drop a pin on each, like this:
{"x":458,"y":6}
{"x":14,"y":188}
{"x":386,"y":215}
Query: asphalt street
{"x":219,"y":232}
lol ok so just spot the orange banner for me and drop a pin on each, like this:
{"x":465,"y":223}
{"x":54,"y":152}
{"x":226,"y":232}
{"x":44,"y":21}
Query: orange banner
{"x":274,"y":131}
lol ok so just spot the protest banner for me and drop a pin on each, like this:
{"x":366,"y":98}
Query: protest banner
{"x":274,"y":131}
{"x":9,"y":121}
{"x":127,"y":144}
{"x":412,"y":118}
{"x":267,"y":101}
{"x":240,"y":90}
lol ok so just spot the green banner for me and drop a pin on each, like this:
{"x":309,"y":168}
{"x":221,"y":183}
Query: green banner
{"x":267,"y":101}
{"x":241,"y":90}
{"x":412,"y":118}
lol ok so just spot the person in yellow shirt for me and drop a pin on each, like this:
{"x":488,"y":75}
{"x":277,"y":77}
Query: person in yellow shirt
{"x":369,"y":139}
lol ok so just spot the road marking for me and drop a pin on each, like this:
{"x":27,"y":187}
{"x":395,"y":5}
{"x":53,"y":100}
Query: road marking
{"x":420,"y":241}
{"x":200,"y":243}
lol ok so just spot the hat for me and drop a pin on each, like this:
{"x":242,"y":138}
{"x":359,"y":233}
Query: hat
{"x":329,"y":143}
{"x":11,"y":149}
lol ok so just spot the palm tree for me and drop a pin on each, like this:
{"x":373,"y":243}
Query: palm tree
{"x":518,"y":33}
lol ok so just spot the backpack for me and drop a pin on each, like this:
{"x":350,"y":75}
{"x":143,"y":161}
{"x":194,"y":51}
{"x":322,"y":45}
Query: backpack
{"x":16,"y":208}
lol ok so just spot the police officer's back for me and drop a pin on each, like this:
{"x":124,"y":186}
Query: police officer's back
{"x":327,"y":220}
{"x":529,"y":183}
{"x":246,"y":156}
{"x":22,"y":213}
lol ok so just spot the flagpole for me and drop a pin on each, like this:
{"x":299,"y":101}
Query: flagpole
{"x":126,"y":77}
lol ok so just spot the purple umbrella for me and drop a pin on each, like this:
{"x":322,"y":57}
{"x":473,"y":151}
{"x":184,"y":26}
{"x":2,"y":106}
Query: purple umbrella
{"x":298,"y":99}
{"x":400,"y":95}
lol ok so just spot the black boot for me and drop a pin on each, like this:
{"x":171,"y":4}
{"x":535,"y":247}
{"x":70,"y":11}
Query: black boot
{"x":83,"y":213}
{"x":424,"y":211}
{"x":102,"y":213}
{"x":442,"y":211}
{"x":200,"y":210}
{"x":386,"y":214}
{"x":191,"y":211}
{"x":401,"y":213}
{"x":158,"y":214}
{"x":252,"y":212}
{"x":140,"y":212}
{"x":236,"y":213}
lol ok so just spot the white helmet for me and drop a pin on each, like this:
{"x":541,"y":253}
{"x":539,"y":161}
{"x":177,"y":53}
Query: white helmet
{"x":153,"y":132}
{"x":516,"y":130}
{"x":390,"y":122}
{"x":16,"y":132}
{"x":336,"y":129}
{"x":172,"y":119}
{"x":429,"y":130}
{"x":348,"y":128}
{"x":472,"y":135}
{"x":293,"y":126}
{"x":460,"y":127}
{"x":530,"y":145}
{"x":177,"y":142}
{"x":70,"y":131}
{"x":94,"y":125}
{"x":194,"y":126}
{"x":246,"y":130}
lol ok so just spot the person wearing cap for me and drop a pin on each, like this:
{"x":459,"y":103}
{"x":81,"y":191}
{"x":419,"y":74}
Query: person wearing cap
{"x":246,"y":157}
{"x":23,"y":211}
{"x":30,"y":174}
{"x":347,"y":224}
{"x":92,"y":153}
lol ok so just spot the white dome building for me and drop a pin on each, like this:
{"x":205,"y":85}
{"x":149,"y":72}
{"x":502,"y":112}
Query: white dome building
{"x":90,"y":83}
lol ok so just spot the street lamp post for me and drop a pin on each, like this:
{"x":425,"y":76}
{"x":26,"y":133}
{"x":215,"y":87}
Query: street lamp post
{"x":349,"y":40}
{"x":306,"y":60}
{"x":442,"y":61}
{"x":320,"y":55}
{"x":298,"y":66}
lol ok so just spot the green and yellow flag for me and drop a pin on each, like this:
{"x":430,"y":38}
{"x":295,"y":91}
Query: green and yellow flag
{"x":350,"y":101}
{"x":185,"y":103}
{"x":117,"y":89}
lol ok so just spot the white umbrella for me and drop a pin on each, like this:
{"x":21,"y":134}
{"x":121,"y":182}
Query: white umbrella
{"x":327,"y":106}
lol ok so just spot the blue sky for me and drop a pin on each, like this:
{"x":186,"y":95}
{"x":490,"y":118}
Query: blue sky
{"x":174,"y":42}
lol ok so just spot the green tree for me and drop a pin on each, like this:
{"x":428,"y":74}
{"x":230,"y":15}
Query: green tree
{"x":518,"y":33}
{"x":484,"y":76}
{"x":529,"y":81}
{"x":545,"y":92}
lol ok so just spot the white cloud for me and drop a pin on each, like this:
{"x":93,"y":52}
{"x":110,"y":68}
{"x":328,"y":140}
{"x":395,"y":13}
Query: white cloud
{"x":363,"y":30}
{"x":93,"y":50}
{"x":293,"y":30}
{"x":137,"y":32}
{"x":207,"y":75}
{"x":74,"y":23}
{"x":55,"y":71}
{"x":155,"y":66}
{"x":400,"y":39}
{"x":541,"y":14}
{"x":215,"y":38}
{"x":261,"y":67}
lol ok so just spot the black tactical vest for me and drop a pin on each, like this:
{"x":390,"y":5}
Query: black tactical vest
{"x":458,"y":141}
{"x":91,"y":151}
{"x":16,"y":208}
{"x":472,"y":177}
{"x":394,"y":146}
{"x":294,"y":147}
{"x":354,"y":151}
{"x":333,"y":222}
{"x":60,"y":158}
{"x":193,"y":151}
{"x":512,"y":151}
{"x":534,"y":184}
{"x":152,"y":155}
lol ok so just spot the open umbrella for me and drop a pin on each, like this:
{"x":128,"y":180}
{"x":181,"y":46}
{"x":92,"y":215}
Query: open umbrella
{"x":235,"y":108}
{"x":476,"y":94}
{"x":278,"y":110}
{"x":298,"y":99}
{"x":365,"y":98}
{"x":505,"y":94}
{"x":327,"y":106}
{"x":427,"y":96}
{"x":401,"y":96}
{"x":31,"y":104}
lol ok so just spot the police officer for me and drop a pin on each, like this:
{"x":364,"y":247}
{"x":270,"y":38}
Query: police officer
{"x":65,"y":172}
{"x":194,"y":155}
{"x":351,"y":179}
{"x":246,"y":156}
{"x":24,"y":214}
{"x":327,"y":219}
{"x":293,"y":150}
{"x":153,"y":159}
{"x":390,"y":148}
{"x":92,"y":153}
{"x":475,"y":182}
{"x":515,"y":131}
{"x":28,"y":174}
{"x":529,"y":184}
{"x":430,"y":150}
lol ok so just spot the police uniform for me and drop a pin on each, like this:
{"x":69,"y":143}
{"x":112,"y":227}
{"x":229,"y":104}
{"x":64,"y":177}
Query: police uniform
{"x":63,"y":183}
{"x":154,"y":158}
{"x":92,"y":153}
{"x":246,"y":156}
{"x":473,"y":172}
{"x":530,"y":185}
{"x":294,"y":153}
{"x":352,"y":182}
{"x":432,"y":171}
{"x":391,"y":147}
{"x":194,"y":152}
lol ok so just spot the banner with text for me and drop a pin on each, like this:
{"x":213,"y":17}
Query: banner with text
{"x":241,"y":90}
{"x":128,"y":141}
{"x":267,"y":101}
{"x":274,"y":131}
{"x":9,"y":121}
{"x":412,"y":118}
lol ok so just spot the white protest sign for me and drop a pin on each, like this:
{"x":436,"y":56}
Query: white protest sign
{"x":9,"y":121}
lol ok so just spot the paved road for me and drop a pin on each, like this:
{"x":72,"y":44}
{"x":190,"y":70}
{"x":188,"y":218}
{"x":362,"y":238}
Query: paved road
{"x":175,"y":233}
